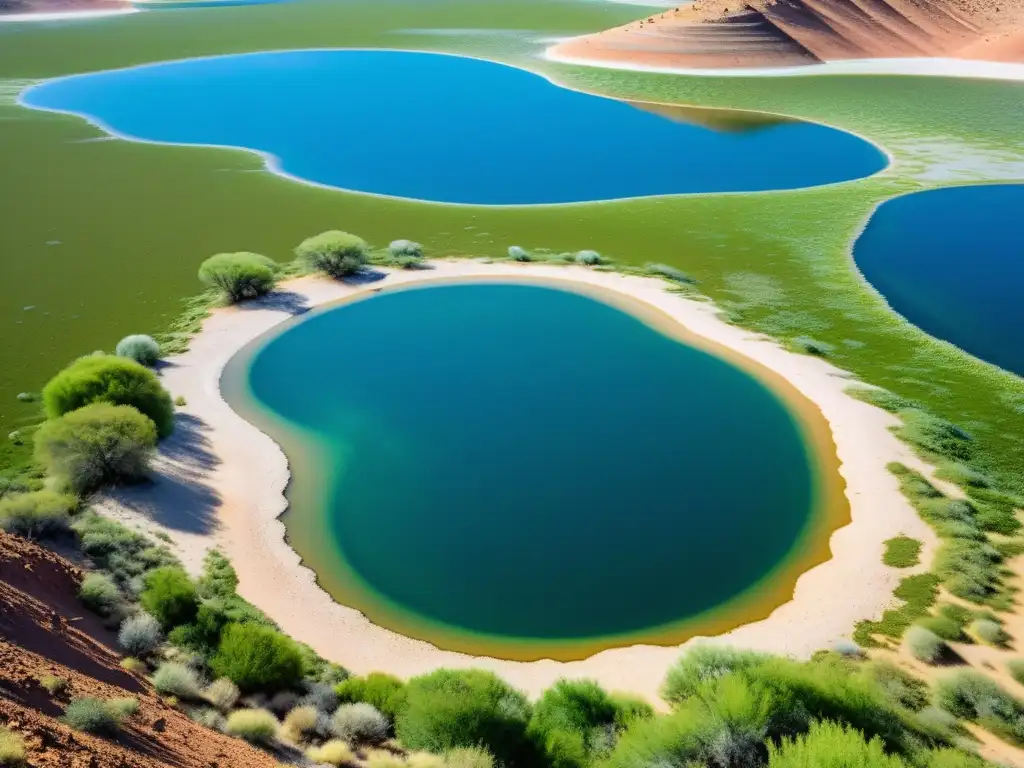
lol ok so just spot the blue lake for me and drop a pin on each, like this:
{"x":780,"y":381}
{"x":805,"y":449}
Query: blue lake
{"x":447,"y":129}
{"x":952,"y":263}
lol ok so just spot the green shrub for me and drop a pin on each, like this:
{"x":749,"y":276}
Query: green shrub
{"x":811,"y":346}
{"x":518,"y":254}
{"x":588,"y":258}
{"x":944,"y":627}
{"x":124,"y":707}
{"x":140,"y":348}
{"x":133,"y":665}
{"x":935,"y":436}
{"x":961,"y":474}
{"x":902,"y":552}
{"x":1016,"y":669}
{"x":898,"y":685}
{"x":109,"y":379}
{"x":574,"y":720}
{"x":53,"y":684}
{"x":239,"y":276}
{"x":92,"y":716}
{"x":337,"y":254}
{"x":469,"y":757}
{"x":359,"y":724}
{"x":123,"y":554}
{"x":953,"y":758}
{"x":988,"y":632}
{"x":222,"y":693}
{"x":12,"y":747}
{"x":257,"y":726}
{"x":385,"y":692}
{"x":174,"y":679}
{"x":703,"y":663}
{"x":300,"y":723}
{"x":668,"y":273}
{"x":970,"y":695}
{"x":969,"y":569}
{"x":257,"y":658}
{"x":924,"y":645}
{"x":405,"y":249}
{"x":830,"y":745}
{"x":333,"y":752}
{"x":99,"y":594}
{"x":170,"y":596}
{"x":448,"y":709}
{"x":37,"y":514}
{"x":140,"y":635}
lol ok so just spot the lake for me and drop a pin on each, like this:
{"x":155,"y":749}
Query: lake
{"x":524,"y":471}
{"x":447,"y":129}
{"x":951,"y":262}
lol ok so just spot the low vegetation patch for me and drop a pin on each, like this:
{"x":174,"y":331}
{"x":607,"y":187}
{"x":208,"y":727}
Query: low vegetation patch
{"x":902,"y":552}
{"x":335,"y":253}
{"x":95,"y":716}
{"x":360,"y":724}
{"x":972,"y":696}
{"x":239,"y":276}
{"x":142,"y":349}
{"x":924,"y":645}
{"x":12,"y":747}
{"x":257,"y":726}
{"x":257,"y":658}
{"x":918,"y":594}
{"x":37,"y":514}
{"x":385,"y":692}
{"x":140,"y":635}
{"x":334,"y":752}
{"x":174,"y":679}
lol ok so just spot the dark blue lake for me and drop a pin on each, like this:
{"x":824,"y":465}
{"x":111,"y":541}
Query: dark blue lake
{"x":951,"y":262}
{"x":447,"y":129}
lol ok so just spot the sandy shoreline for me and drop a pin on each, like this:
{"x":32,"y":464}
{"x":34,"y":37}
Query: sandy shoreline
{"x":220,"y":482}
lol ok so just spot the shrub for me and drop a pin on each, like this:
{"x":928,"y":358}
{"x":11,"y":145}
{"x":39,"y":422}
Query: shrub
{"x":668,"y":273}
{"x":95,"y":446}
{"x":109,"y":379}
{"x":359,"y":724}
{"x":469,"y":757}
{"x":924,"y":645}
{"x":334,"y":253}
{"x":425,"y":760}
{"x":222,"y":693}
{"x":447,"y":709}
{"x":208,"y":718}
{"x":174,"y":679}
{"x":257,"y":726}
{"x":407,"y":249}
{"x":92,"y":716}
{"x":202,"y":635}
{"x":139,"y":635}
{"x":935,"y":436}
{"x":239,"y":276}
{"x":124,"y":707}
{"x":133,"y":665}
{"x":811,"y":346}
{"x":379,"y":758}
{"x":125,"y":555}
{"x":140,"y":348}
{"x":518,"y":254}
{"x":902,"y":552}
{"x":898,"y":685}
{"x":831,"y":744}
{"x":702,"y":663}
{"x":12,"y":747}
{"x":944,"y":627}
{"x":333,"y":752}
{"x":970,"y":695}
{"x":37,"y":514}
{"x":257,"y":658}
{"x":53,"y":685}
{"x":385,"y":692}
{"x":170,"y":596}
{"x":847,"y":648}
{"x":961,"y":474}
{"x":572,"y":719}
{"x":300,"y":723}
{"x":588,"y":258}
{"x":1016,"y":669}
{"x":988,"y":632}
{"x":321,"y":696}
{"x":99,"y":594}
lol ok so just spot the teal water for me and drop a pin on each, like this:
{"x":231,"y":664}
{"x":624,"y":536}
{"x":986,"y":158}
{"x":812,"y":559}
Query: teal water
{"x":519,"y":461}
{"x":447,"y":129}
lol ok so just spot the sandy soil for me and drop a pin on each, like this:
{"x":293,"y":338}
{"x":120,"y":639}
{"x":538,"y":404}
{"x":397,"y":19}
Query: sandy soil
{"x":220,"y":481}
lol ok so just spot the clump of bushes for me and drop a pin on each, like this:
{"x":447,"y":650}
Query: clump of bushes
{"x":383,"y":691}
{"x":335,"y":253}
{"x":333,"y":752}
{"x":831,"y":744}
{"x":1016,"y":669}
{"x":359,"y":724}
{"x":222,"y":693}
{"x":94,"y":716}
{"x":898,"y":685}
{"x":53,"y":684}
{"x":99,"y":594}
{"x":588,"y":258}
{"x":12,"y":747}
{"x":405,"y":249}
{"x":96,"y":445}
{"x":140,"y":635}
{"x":519,"y":254}
{"x":140,"y":348}
{"x":924,"y":645}
{"x":37,"y":514}
{"x":257,"y":658}
{"x":239,"y":276}
{"x":300,"y":723}
{"x":109,"y":379}
{"x":972,"y":696}
{"x":668,"y":272}
{"x":170,"y":596}
{"x":704,"y":663}
{"x":257,"y":726}
{"x":174,"y":679}
{"x":988,"y":631}
{"x":469,"y":757}
{"x":122,"y":554}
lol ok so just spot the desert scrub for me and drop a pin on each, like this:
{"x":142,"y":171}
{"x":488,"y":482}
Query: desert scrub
{"x":140,"y":348}
{"x":588,"y":258}
{"x":405,"y":249}
{"x":988,"y":632}
{"x":239,"y":276}
{"x":924,"y":645}
{"x":333,"y":752}
{"x":134,"y":665}
{"x":300,"y":723}
{"x":469,"y":757}
{"x":37,"y":514}
{"x":898,"y":685}
{"x":222,"y":693}
{"x":112,"y":380}
{"x":518,"y":254}
{"x":335,"y":253}
{"x":360,"y":724}
{"x":970,"y":695}
{"x":944,"y":627}
{"x":100,"y":594}
{"x":140,"y":635}
{"x":12,"y":747}
{"x":257,"y":726}
{"x":53,"y":684}
{"x":124,"y":707}
{"x":122,"y":554}
{"x":1016,"y":669}
{"x":93,"y":716}
{"x":667,"y":272}
{"x":174,"y":679}
{"x":902,"y":552}
{"x":257,"y":658}
{"x":169,"y":596}
{"x":383,"y":691}
{"x":831,"y":744}
{"x":702,"y":664}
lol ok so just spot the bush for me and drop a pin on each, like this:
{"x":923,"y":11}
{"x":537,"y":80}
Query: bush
{"x":140,"y":635}
{"x":944,"y":627}
{"x":37,"y":514}
{"x":333,"y":752}
{"x":142,"y":349}
{"x":898,"y":685}
{"x":257,"y":726}
{"x":425,"y":760}
{"x":300,"y":723}
{"x":222,"y":693}
{"x":518,"y":254}
{"x":379,"y":758}
{"x":321,"y":696}
{"x":1016,"y":669}
{"x":202,"y":635}
{"x":92,"y":716}
{"x":95,"y":446}
{"x":702,"y":663}
{"x":810,"y":346}
{"x":174,"y":679}
{"x":970,"y":695}
{"x":902,"y":552}
{"x":935,"y":436}
{"x":668,"y":273}
{"x":208,"y":718}
{"x":53,"y":685}
{"x":573,"y":719}
{"x":924,"y":645}
{"x":133,"y":665}
{"x":124,"y":707}
{"x":448,"y":709}
{"x":99,"y":594}
{"x":359,"y":724}
{"x":988,"y":632}
{"x":334,"y":253}
{"x":588,"y":258}
{"x":830,"y":745}
{"x":110,"y":379}
{"x":257,"y":658}
{"x":239,"y":276}
{"x":405,"y":249}
{"x":469,"y":757}
{"x":385,"y":692}
{"x":12,"y":747}
{"x":170,"y":596}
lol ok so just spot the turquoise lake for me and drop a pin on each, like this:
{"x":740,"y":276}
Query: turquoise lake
{"x":446,"y":129}
{"x":519,"y":461}
{"x":951,"y":262}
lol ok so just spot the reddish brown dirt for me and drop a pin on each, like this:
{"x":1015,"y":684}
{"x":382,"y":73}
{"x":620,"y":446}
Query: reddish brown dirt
{"x":754,"y":33}
{"x":43,"y":631}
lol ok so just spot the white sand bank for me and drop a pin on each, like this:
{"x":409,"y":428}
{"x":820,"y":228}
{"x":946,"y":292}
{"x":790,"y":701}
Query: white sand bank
{"x":221,"y":481}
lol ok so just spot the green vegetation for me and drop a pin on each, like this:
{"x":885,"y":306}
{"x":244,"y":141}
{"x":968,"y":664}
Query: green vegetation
{"x":469,"y":757}
{"x":109,"y":379}
{"x":257,"y":658}
{"x":588,"y":258}
{"x":359,"y":723}
{"x":988,"y":631}
{"x":918,"y":595}
{"x":924,"y":645}
{"x":972,"y":696}
{"x":405,"y":249}
{"x":12,"y":747}
{"x":100,"y":594}
{"x":174,"y":679}
{"x":222,"y":693}
{"x":53,"y":684}
{"x":810,"y":346}
{"x":37,"y":514}
{"x":258,"y":726}
{"x":333,"y":752}
{"x":902,"y":552}
{"x":140,"y":635}
{"x":702,"y":664}
{"x":143,"y":349}
{"x":1016,"y":669}
{"x":830,"y":745}
{"x":239,"y":276}
{"x":95,"y":715}
{"x":170,"y":596}
{"x":122,"y":555}
{"x":385,"y":692}
{"x":897,"y":685}
{"x":337,"y":254}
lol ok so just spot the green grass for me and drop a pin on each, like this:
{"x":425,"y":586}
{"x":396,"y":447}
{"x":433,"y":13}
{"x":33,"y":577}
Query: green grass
{"x":918,"y":595}
{"x":902,"y":552}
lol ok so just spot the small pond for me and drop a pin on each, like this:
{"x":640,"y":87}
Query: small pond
{"x":447,"y":129}
{"x":951,"y":262}
{"x":524,"y":471}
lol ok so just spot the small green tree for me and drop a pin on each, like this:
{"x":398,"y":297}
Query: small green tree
{"x":95,"y":446}
{"x":239,"y":276}
{"x":334,"y":253}
{"x":110,"y":379}
{"x":170,"y":596}
{"x":257,"y":658}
